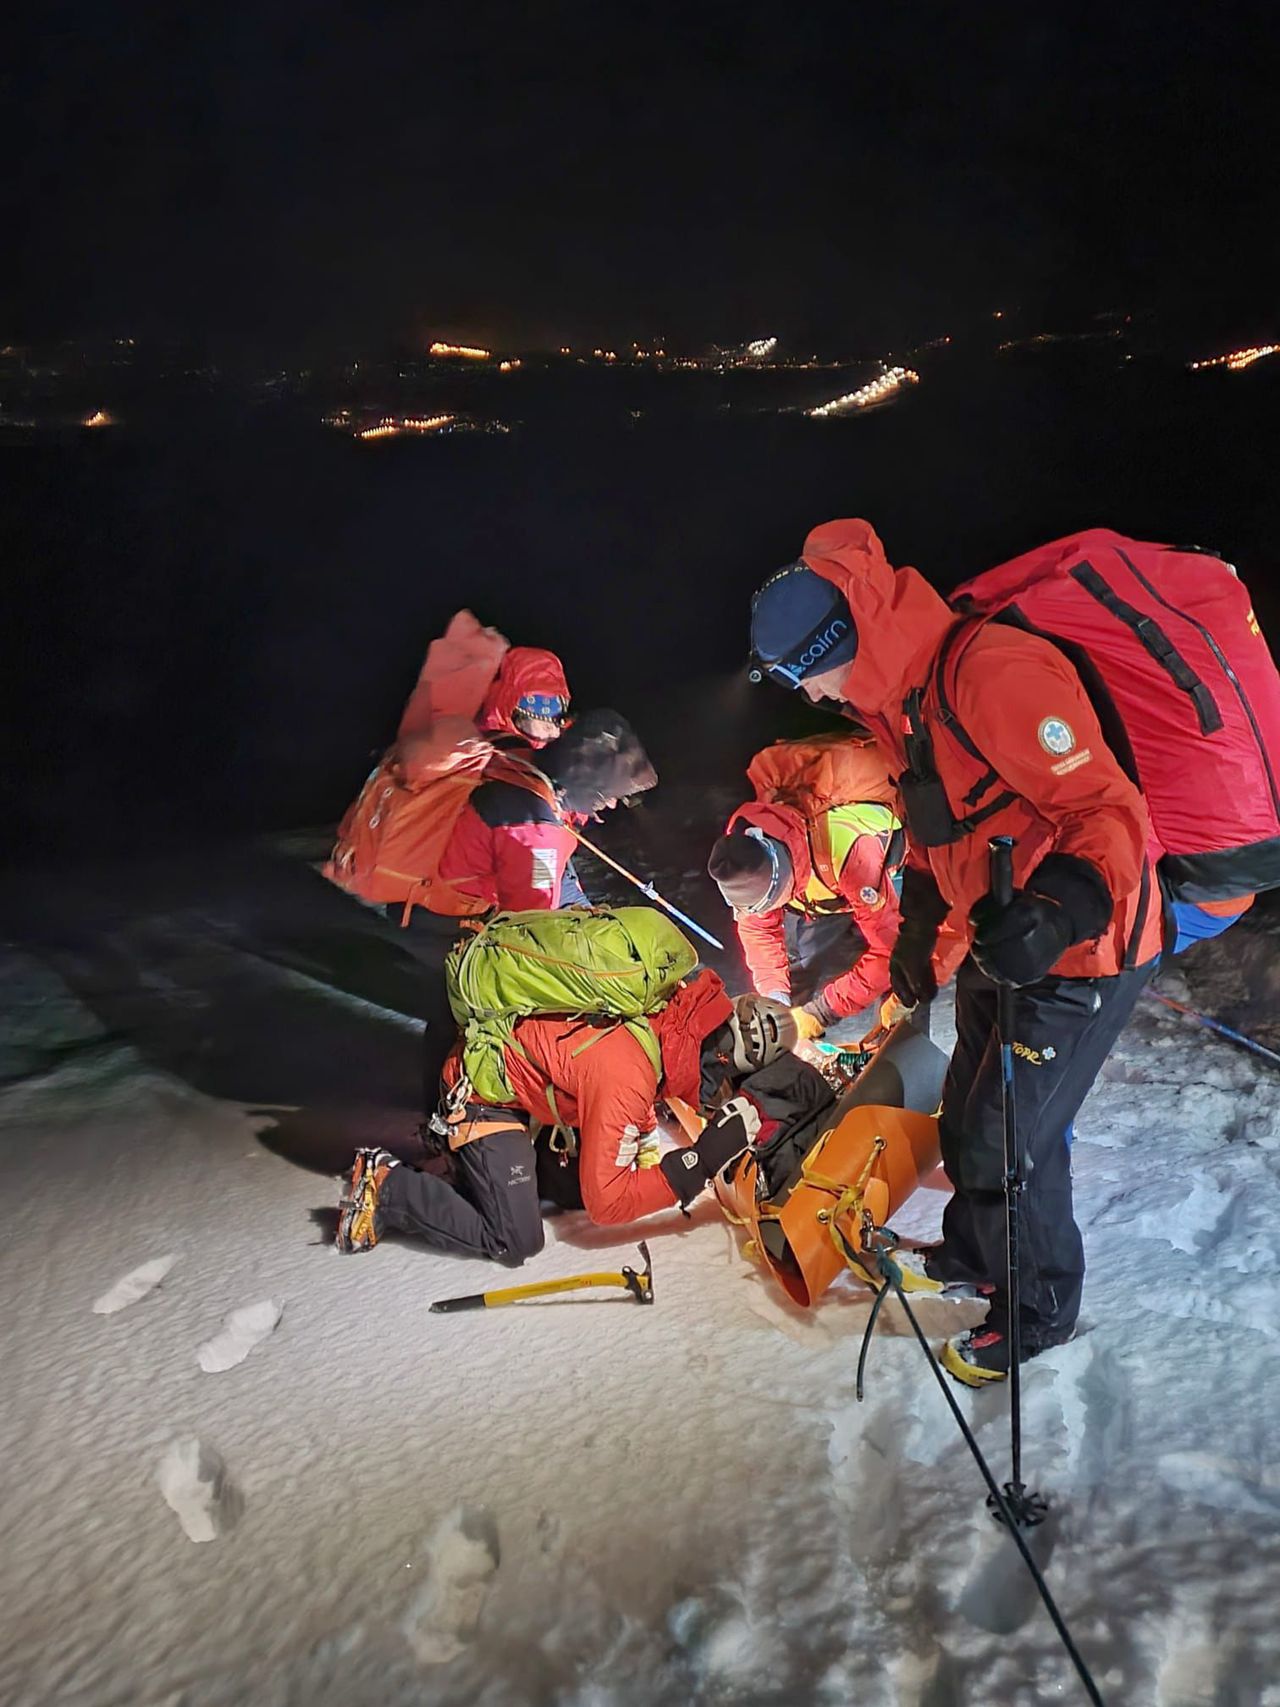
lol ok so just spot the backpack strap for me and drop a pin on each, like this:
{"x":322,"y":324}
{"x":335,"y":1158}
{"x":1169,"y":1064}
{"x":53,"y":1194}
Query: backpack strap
{"x":521,"y":772}
{"x":929,"y":815}
{"x":1150,"y":635}
{"x":951,"y":653}
{"x":563,"y":1141}
{"x":820,"y":855}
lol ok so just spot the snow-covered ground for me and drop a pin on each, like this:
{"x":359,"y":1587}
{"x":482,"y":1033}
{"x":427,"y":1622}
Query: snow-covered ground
{"x":239,"y":1468}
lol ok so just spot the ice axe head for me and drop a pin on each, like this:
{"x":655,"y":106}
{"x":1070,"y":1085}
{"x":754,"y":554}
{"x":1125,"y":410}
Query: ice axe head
{"x":640,"y":1286}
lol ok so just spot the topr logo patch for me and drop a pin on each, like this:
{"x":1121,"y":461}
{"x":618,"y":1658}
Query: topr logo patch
{"x":1056,"y":736}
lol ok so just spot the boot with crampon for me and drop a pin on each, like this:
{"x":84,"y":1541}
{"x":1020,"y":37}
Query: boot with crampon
{"x":359,"y":1222}
{"x":982,"y":1355}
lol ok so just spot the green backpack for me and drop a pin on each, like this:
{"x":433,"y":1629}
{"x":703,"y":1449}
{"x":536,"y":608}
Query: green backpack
{"x":625,"y":963}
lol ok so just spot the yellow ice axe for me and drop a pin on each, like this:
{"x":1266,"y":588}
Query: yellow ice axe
{"x":640,"y":1286}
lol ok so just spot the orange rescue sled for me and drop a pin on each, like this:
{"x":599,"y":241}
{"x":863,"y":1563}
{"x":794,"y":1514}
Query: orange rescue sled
{"x":882,"y":1142}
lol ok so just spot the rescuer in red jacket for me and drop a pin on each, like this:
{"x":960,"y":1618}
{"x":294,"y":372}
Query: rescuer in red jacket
{"x":1083,"y":929}
{"x":804,"y":939}
{"x":512,"y":847}
{"x":594,"y":1079}
{"x":474,"y":691}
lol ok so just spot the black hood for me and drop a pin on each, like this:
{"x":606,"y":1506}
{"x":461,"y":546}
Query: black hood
{"x":598,"y":759}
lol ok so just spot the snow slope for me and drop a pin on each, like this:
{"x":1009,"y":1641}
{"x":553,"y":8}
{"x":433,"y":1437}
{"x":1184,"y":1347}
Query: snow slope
{"x":263,"y":1473}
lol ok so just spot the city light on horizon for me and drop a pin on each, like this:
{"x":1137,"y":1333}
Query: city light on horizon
{"x":390,"y":426}
{"x":891,"y":381}
{"x":466,"y":352}
{"x":1235,"y":361}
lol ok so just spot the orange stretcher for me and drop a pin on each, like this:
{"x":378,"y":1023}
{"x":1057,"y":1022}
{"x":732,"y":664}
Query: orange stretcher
{"x":881,"y":1144}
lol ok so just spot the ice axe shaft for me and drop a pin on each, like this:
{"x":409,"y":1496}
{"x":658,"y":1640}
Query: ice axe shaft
{"x":644,"y":888}
{"x":647,"y":889}
{"x":639,"y":1285}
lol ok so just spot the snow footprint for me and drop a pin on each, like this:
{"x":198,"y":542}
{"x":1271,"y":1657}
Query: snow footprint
{"x":1000,"y":1595}
{"x":716,"y":1637}
{"x":196,"y":1488}
{"x":241,"y":1331}
{"x":462,"y":1556}
{"x":132,"y":1286}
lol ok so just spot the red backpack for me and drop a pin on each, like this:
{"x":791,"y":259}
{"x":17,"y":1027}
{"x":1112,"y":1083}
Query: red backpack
{"x":1171,"y":654}
{"x":393,"y":836}
{"x":818,"y":772}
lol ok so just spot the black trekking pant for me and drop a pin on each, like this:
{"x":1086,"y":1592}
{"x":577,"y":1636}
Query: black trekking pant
{"x":819,"y":949}
{"x":1063,"y":1031}
{"x":489,"y":1209}
{"x":428,"y":937}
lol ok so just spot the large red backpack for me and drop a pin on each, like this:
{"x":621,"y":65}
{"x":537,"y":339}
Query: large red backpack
{"x":1167,"y":645}
{"x":394,"y":835}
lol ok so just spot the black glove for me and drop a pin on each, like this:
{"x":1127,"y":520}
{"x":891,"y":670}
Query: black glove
{"x":687,"y":1171}
{"x":1065,"y":902}
{"x":911,"y":975}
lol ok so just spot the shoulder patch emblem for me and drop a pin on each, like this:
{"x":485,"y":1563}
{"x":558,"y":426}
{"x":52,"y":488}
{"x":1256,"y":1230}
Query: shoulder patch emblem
{"x":868,"y":896}
{"x":1056,"y":736}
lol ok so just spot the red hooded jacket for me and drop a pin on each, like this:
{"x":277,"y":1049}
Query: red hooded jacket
{"x":1009,"y":687}
{"x":524,"y":669}
{"x":864,"y":884}
{"x":607,"y":1090}
{"x":470,"y":684}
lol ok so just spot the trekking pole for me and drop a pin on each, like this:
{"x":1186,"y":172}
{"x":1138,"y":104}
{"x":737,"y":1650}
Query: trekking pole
{"x":1003,"y":1505}
{"x":645,"y":888}
{"x":1026,"y":1508}
{"x":1215,"y":1025}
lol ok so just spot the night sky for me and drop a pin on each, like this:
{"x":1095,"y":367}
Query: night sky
{"x":307,"y":176}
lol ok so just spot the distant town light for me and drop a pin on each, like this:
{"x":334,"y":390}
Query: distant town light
{"x":875,"y":391}
{"x":509,"y":366}
{"x":389,"y":426}
{"x":99,"y":418}
{"x":1236,"y":360}
{"x":464,"y":350}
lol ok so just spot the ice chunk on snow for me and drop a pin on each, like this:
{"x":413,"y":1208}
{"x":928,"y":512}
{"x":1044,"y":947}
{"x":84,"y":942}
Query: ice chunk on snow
{"x":132,"y":1286}
{"x":462,"y":1556}
{"x":241,"y":1331}
{"x":194,"y":1482}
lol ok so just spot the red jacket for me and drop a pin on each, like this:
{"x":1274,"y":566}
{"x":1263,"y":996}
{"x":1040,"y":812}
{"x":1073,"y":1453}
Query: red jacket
{"x":864,"y":885}
{"x":1010,"y":686}
{"x":510,"y":849}
{"x":467,"y":690}
{"x":608,"y":1090}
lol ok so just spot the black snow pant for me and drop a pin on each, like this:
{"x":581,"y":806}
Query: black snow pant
{"x":428,"y":938}
{"x":1063,"y":1031}
{"x":490,"y":1207}
{"x":819,"y":949}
